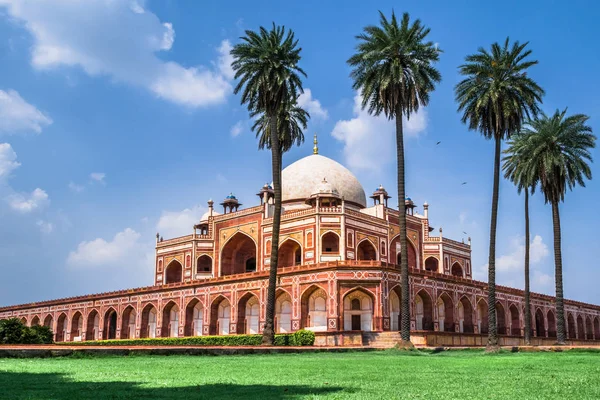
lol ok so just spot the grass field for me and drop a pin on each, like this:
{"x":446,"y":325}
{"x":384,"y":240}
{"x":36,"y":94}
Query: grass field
{"x":374,"y":375}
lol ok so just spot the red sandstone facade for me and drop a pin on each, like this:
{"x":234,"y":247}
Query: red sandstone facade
{"x":338,"y":272}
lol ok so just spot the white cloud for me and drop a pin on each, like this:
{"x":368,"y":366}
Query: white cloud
{"x":118,"y":39}
{"x":8,"y":160}
{"x":237,"y":129}
{"x":225,"y":60}
{"x":515,"y":259}
{"x":75,"y":187}
{"x":45,"y":227}
{"x":16,"y":115}
{"x":178,"y":223}
{"x":101,"y":252}
{"x":313,"y":106}
{"x":367,"y":138}
{"x":26,"y":203}
{"x":98,"y":176}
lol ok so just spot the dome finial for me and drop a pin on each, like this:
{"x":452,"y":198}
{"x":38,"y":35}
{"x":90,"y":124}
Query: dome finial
{"x":316,"y":147}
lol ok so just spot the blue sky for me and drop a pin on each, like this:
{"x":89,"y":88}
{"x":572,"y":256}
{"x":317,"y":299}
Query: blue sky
{"x":117,"y":120}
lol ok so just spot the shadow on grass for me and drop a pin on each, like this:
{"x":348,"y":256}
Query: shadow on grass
{"x":59,"y":386}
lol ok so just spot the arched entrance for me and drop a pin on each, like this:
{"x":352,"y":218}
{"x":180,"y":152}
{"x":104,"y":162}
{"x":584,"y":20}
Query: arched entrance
{"x":24,"y":321}
{"x":330,"y":244}
{"x":571,"y":325}
{"x":174,"y":272}
{"x":540,"y":330}
{"x":92,"y":330}
{"x":35,"y":321}
{"x":432,"y":264}
{"x":457,"y":270}
{"x":314,"y":309}
{"x":395,"y":248}
{"x":551,"y":324}
{"x":395,"y":309}
{"x":589,"y":329}
{"x":482,"y":317}
{"x":290,"y":254}
{"x":580,"y":328}
{"x":358,"y":311}
{"x":366,"y":251}
{"x":501,"y":319}
{"x":204,"y":265}
{"x":220,"y":316}
{"x":515,"y":321}
{"x":110,"y":324}
{"x":465,"y":316}
{"x":248,"y":314}
{"x":238,"y":255}
{"x":128,"y":323}
{"x":170,"y":320}
{"x":148,"y":322}
{"x":283,"y":313}
{"x":76,"y":327}
{"x":194,"y":315}
{"x":423,"y":311}
{"x":62,"y":328}
{"x":48,"y":321}
{"x":445,"y":310}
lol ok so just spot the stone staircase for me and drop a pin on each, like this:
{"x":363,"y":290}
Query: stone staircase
{"x":383,"y":340}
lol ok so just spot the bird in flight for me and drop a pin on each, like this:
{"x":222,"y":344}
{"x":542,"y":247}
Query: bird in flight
{"x":465,"y":233}
{"x":464,"y":183}
{"x":438,"y":142}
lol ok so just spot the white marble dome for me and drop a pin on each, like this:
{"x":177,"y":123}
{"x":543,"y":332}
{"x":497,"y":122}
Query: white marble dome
{"x":304,"y":178}
{"x":204,"y":217}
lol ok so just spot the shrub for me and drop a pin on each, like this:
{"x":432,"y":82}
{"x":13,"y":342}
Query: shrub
{"x":13,"y":331}
{"x":225,"y":340}
{"x":303,"y":337}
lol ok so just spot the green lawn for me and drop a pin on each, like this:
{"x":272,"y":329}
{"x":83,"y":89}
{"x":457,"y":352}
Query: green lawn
{"x":374,"y":375}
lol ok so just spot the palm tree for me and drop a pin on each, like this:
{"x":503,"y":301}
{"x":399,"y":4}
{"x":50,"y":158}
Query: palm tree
{"x":266,"y":64}
{"x":292,"y":121}
{"x":393,"y":70}
{"x":557,"y":154}
{"x":496,"y":96}
{"x":515,"y":169}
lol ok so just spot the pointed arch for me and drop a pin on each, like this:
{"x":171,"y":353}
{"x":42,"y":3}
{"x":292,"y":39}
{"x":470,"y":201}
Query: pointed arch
{"x":330,"y":243}
{"x":248,"y":314}
{"x":395,"y":308}
{"x":220,"y":316}
{"x":24,"y":321}
{"x":35,"y":321}
{"x":204,"y":264}
{"x":238,"y":255}
{"x":290,"y":253}
{"x":465,"y":315}
{"x":92,"y":330}
{"x":395,"y":250}
{"x":501,"y":319}
{"x":174,"y":272}
{"x":62,"y":327}
{"x":482,"y":316}
{"x":283,"y":311}
{"x":423,"y":311}
{"x":515,"y":321}
{"x":571,"y":326}
{"x":194,"y":318}
{"x":540,"y":328}
{"x":366,"y":250}
{"x":457,"y":270}
{"x":597,"y":328}
{"x":589,"y":329}
{"x":432,"y":264}
{"x":128,"y":323}
{"x":109,"y":330}
{"x":445,"y":312}
{"x":358,"y":310}
{"x":551,"y":324}
{"x":313,"y":309}
{"x":580,"y":328}
{"x":148,"y":321}
{"x":170,"y":320}
{"x":77,"y":327}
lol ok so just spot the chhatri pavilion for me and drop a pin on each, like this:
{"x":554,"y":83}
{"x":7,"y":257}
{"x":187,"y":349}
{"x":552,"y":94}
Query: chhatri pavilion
{"x":338,"y":275}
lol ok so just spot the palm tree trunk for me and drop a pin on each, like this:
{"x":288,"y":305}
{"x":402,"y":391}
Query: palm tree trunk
{"x":404,"y":287}
{"x":560,"y":308}
{"x":269,"y":329}
{"x":527,"y":295}
{"x":492,"y":328}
